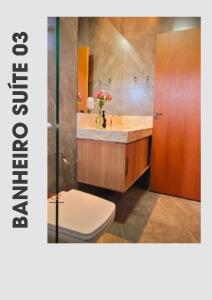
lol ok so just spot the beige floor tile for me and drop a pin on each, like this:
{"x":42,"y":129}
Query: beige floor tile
{"x":110,"y":238}
{"x":181,"y":213}
{"x":191,"y":211}
{"x":173,"y":220}
{"x":156,"y":232}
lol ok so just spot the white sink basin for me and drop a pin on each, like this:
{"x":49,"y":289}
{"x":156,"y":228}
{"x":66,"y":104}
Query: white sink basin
{"x":124,"y":127}
{"x":119,"y":133}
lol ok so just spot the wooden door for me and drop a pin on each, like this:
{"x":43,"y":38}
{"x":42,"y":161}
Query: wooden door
{"x":175,"y":163}
{"x":83,"y":68}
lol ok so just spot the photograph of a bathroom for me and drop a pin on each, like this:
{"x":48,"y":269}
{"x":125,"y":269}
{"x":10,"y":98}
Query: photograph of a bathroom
{"x":124,"y":130}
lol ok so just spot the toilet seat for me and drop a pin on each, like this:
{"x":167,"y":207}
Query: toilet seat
{"x":82,"y":217}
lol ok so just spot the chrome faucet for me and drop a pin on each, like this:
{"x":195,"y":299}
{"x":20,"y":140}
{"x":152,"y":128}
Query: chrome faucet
{"x":111,"y":120}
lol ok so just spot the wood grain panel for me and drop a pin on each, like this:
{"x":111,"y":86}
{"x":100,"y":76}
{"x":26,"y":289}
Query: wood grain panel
{"x":83,"y":69}
{"x":136,"y":155}
{"x":111,"y":165}
{"x":175,"y":165}
{"x":101,"y":163}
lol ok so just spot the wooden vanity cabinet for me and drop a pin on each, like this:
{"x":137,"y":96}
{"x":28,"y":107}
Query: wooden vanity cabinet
{"x":111,"y":165}
{"x":136,"y":160}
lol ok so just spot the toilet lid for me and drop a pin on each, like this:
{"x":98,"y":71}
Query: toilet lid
{"x":81,"y":215}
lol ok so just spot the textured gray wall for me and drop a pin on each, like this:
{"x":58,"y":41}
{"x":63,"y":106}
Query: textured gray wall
{"x":51,"y":102}
{"x":121,"y":48}
{"x":68,"y":101}
{"x":68,"y":96}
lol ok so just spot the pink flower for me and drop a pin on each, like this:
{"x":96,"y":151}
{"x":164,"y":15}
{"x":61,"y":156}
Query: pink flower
{"x":103,"y":95}
{"x":97,"y":95}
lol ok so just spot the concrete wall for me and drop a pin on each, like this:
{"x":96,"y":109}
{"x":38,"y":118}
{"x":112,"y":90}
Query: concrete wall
{"x":122,"y":48}
{"x":68,"y":102}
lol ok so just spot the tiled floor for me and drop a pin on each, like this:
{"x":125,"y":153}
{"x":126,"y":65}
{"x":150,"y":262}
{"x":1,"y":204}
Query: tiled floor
{"x":169,"y":220}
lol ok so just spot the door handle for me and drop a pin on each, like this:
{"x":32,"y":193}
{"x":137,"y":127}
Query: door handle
{"x":157,"y":115}
{"x":126,"y":166}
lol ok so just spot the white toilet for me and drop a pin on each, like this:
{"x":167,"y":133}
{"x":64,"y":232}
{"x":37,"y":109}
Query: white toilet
{"x":83,"y":217}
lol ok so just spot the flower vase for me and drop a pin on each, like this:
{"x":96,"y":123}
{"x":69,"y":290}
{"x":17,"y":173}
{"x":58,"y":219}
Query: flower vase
{"x":99,"y":119}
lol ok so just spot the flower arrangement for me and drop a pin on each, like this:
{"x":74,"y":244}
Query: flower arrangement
{"x":101,"y":97}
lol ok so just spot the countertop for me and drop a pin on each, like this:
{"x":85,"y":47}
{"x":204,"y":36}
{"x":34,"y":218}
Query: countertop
{"x":118,"y":133}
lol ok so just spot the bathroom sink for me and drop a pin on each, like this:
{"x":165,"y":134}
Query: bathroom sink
{"x":118,"y":133}
{"x":124,"y":129}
